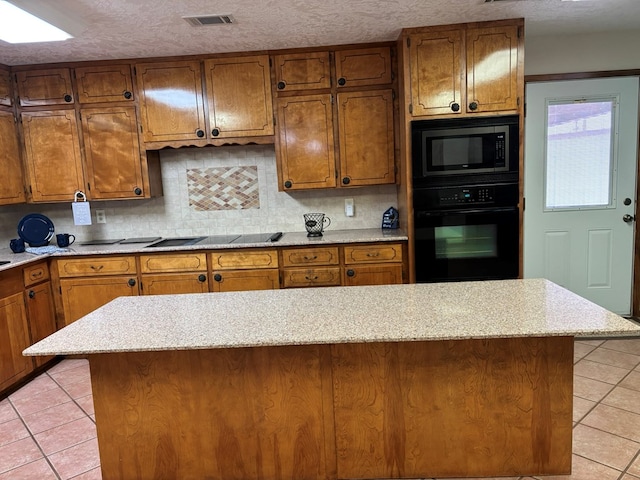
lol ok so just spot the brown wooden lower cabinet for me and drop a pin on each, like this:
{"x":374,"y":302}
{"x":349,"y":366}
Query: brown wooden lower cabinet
{"x":41,"y":314}
{"x":83,"y":295}
{"x":389,"y":274}
{"x":14,"y":338}
{"x":243,"y":280}
{"x":452,"y":408}
{"x":311,"y":277}
{"x":173,"y":284}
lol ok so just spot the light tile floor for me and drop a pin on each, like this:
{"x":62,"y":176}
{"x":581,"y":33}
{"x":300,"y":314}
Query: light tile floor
{"x":47,"y":428}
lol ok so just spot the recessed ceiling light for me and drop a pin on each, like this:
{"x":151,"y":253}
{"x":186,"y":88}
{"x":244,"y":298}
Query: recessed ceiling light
{"x":18,"y":26}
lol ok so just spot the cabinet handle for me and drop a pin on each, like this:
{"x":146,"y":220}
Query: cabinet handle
{"x":131,"y":282}
{"x":346,"y":181}
{"x":137,"y":191}
{"x":455,"y":107}
{"x":373,"y":255}
{"x":473,"y":106}
{"x":288,"y":184}
{"x":68,"y":98}
{"x":127,"y":94}
{"x":96,"y":268}
{"x":281,"y":85}
{"x":217,"y":277}
{"x":342,"y":81}
{"x":37,"y":274}
{"x":309,"y":259}
{"x":311,"y":279}
{"x":215,"y":132}
{"x":199,"y":133}
{"x":350,"y":273}
{"x":32,"y":294}
{"x":202,"y":278}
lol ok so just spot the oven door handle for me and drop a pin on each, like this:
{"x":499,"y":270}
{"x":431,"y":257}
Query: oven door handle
{"x":442,"y":213}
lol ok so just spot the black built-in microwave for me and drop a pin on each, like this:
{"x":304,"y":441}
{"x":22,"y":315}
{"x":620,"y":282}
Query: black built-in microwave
{"x":475,"y":146}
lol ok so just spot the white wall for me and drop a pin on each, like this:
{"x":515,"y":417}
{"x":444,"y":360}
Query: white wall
{"x":582,"y":53}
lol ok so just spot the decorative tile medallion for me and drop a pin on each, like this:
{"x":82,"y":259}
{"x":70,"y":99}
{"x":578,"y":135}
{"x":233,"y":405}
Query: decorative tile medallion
{"x":223,"y":188}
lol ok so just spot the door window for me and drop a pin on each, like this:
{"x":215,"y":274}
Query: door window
{"x":580,"y":153}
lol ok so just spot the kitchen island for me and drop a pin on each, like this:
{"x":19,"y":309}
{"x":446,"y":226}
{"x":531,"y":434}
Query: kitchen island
{"x":400,"y":381}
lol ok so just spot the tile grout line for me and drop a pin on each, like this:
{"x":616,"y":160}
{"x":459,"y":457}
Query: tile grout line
{"x":46,"y":458}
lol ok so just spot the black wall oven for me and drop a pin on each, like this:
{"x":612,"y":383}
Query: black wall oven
{"x":466,"y":233}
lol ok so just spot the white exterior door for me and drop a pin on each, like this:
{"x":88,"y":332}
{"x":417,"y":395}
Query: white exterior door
{"x":580,"y":186}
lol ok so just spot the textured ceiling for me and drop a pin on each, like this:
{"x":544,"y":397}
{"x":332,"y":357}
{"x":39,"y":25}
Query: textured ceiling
{"x":112,"y":29}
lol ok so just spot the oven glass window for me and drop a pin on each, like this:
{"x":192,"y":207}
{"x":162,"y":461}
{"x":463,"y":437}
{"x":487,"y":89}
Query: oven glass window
{"x":466,"y":241}
{"x":580,"y":154}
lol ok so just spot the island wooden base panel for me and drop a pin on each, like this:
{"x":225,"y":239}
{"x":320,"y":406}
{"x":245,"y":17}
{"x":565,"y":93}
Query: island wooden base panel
{"x":460,"y":408}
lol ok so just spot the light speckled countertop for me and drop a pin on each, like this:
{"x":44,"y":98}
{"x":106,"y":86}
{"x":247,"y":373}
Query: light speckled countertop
{"x":288,"y":239}
{"x":435,"y":311}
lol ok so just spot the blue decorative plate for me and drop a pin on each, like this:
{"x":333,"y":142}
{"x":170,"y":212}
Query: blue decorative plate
{"x":36,"y":229}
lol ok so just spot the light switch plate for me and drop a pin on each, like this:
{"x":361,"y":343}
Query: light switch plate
{"x":349,"y":207}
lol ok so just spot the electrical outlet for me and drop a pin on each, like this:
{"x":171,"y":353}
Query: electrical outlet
{"x":101,"y":217}
{"x":349,"y":207}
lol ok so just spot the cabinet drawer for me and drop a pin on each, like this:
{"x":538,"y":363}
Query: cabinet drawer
{"x":311,"y":277}
{"x":245,"y":280}
{"x":373,"y":254}
{"x":244,"y":259}
{"x":310,"y":256}
{"x":96,"y":266}
{"x":192,"y":262}
{"x":35,"y":273}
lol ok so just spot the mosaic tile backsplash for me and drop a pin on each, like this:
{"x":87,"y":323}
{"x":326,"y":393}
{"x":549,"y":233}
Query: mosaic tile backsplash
{"x":223,"y":188}
{"x":222,"y":209}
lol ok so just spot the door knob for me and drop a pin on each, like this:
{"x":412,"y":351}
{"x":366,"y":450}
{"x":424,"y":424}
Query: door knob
{"x":628,"y":218}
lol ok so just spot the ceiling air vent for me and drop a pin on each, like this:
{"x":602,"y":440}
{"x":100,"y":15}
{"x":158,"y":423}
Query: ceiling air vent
{"x":203,"y":20}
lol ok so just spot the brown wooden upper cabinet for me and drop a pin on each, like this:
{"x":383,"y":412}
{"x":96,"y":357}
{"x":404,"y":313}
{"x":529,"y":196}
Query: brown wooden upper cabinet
{"x":465,"y":69}
{"x":101,"y":84}
{"x":113,"y":159}
{"x":353,"y":68}
{"x":238,"y":97}
{"x":362,"y":67}
{"x":238,"y":93}
{"x":12,"y":184}
{"x":341,"y":136}
{"x":44,"y":87}
{"x":303,"y":71}
{"x":52,"y":155}
{"x":6,"y":92}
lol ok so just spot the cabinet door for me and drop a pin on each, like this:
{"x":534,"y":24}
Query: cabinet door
{"x":492,"y":69}
{"x":367,"y":153}
{"x":41,"y":313}
{"x":372,"y":275}
{"x":303,"y":71}
{"x":6,"y":92}
{"x":45,"y":87}
{"x":112,"y":152}
{"x":239,"y":97}
{"x":437,"y":72}
{"x":362,"y":67}
{"x":306,"y":157}
{"x":171,"y":103}
{"x":81,"y":296}
{"x":242,"y":280}
{"x":12,"y":184}
{"x":173,"y":284}
{"x":52,"y":155}
{"x":111,"y":83}
{"x":14,"y":338}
